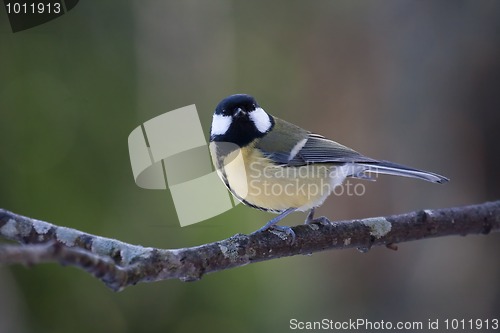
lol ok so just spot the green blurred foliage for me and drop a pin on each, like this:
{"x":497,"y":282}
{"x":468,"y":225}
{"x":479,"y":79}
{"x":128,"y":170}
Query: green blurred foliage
{"x":415,"y":82}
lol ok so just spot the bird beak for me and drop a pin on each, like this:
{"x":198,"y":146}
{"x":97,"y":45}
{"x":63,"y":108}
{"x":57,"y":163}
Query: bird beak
{"x":239,"y":112}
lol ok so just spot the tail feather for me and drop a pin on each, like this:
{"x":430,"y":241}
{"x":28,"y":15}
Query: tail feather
{"x":389,"y":168}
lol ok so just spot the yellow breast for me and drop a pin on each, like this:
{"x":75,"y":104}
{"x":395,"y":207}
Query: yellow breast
{"x":257,"y":181}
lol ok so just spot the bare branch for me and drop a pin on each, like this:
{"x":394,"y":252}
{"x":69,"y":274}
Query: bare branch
{"x":120,"y":264}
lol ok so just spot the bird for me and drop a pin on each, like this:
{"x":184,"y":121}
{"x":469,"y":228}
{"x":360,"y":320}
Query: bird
{"x":275,"y":166}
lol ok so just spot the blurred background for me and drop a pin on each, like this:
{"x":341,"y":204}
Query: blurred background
{"x":415,"y":82}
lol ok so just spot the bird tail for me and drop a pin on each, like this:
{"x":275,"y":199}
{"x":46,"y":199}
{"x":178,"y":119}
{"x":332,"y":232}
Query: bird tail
{"x":389,"y":168}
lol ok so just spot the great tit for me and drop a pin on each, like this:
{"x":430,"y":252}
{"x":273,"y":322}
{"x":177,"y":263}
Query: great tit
{"x":285,"y":168}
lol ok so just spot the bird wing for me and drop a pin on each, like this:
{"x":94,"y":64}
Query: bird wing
{"x":318,"y":149}
{"x":315,"y":149}
{"x":290,"y":145}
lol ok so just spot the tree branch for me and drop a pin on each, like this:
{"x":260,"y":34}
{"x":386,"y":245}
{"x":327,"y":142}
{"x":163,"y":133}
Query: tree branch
{"x":120,"y":264}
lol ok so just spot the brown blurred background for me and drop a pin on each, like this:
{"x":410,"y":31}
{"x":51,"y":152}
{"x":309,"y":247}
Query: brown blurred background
{"x":415,"y":82}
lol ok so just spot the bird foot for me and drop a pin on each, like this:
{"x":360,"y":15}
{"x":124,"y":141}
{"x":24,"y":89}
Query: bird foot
{"x":283,"y":232}
{"x":323,"y":220}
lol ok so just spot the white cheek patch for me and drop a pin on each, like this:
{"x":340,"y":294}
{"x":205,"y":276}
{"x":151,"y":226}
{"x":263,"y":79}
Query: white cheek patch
{"x":220,"y":124}
{"x":261,"y":120}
